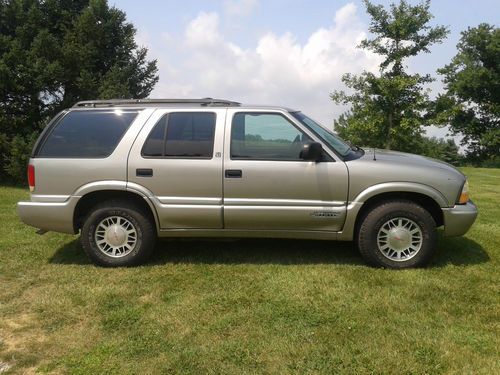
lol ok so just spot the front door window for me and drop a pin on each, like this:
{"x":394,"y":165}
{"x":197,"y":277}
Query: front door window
{"x":265,"y":136}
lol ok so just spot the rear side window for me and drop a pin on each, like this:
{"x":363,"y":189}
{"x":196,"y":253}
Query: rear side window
{"x":182,"y":135}
{"x":87,"y":134}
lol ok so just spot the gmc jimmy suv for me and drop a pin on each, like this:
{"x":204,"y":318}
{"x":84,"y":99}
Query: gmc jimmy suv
{"x":124,"y":172}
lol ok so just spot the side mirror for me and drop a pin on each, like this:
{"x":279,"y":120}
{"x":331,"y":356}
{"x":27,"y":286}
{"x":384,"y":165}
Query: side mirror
{"x":312,"y":151}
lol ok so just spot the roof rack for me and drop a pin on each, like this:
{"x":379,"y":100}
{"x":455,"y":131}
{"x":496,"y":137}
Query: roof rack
{"x":207,"y":102}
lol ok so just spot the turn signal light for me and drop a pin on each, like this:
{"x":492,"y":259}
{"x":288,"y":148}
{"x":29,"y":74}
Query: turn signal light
{"x":464,"y":195}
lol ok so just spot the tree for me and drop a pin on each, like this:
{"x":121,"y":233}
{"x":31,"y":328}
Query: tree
{"x":54,"y":53}
{"x":388,"y":110}
{"x":471,"y":104}
{"x":442,"y":149}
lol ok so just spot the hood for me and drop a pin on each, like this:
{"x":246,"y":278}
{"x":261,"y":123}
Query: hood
{"x":400,"y":167}
{"x":404,"y":158}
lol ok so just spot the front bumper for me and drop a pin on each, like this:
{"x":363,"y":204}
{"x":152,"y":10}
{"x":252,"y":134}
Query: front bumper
{"x":57,"y":217}
{"x":458,"y":219}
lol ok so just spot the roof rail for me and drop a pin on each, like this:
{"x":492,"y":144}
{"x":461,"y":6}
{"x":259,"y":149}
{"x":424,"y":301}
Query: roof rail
{"x":145,"y":102}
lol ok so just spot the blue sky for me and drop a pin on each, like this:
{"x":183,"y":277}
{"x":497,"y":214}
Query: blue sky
{"x":277,"y":52}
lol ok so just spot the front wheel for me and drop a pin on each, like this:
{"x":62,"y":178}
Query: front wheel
{"x":117,"y":233}
{"x":397,"y":234}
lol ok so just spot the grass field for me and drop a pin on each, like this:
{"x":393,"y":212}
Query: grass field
{"x":250,"y":306}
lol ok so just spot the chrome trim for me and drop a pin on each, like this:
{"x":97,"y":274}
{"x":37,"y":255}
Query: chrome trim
{"x":43,"y":198}
{"x":308,"y":209}
{"x":190,"y":200}
{"x":281,"y":202}
{"x":211,"y":206}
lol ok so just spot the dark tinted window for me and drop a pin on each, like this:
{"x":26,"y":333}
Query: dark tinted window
{"x":87,"y":134}
{"x":154,"y":145}
{"x":265,"y":136}
{"x":186,"y":134}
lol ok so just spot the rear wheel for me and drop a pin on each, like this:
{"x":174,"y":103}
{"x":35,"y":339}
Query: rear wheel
{"x":397,"y":234}
{"x":117,"y":233}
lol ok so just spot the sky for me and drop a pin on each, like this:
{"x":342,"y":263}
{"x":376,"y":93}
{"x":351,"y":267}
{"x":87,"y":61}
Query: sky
{"x":280,"y":52}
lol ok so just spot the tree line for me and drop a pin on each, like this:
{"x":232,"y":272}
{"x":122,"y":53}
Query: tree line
{"x":54,"y":53}
{"x":390,"y":109}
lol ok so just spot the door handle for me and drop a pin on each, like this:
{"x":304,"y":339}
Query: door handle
{"x":233,"y":173}
{"x":144,"y":172}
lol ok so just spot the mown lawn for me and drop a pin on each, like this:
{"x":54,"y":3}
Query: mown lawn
{"x":250,"y":306}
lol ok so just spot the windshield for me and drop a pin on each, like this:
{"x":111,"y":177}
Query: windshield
{"x":328,"y":136}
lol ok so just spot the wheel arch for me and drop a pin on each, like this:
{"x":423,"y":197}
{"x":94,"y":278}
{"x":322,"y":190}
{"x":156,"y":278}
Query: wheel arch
{"x":421,"y":199}
{"x":424,"y":195}
{"x":401,"y":188}
{"x":93,"y":198}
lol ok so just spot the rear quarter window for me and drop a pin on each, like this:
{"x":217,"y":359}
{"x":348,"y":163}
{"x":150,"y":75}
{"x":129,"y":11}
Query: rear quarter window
{"x":87,"y":134}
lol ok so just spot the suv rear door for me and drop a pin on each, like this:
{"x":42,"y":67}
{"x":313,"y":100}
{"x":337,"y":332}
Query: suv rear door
{"x":177,"y":158}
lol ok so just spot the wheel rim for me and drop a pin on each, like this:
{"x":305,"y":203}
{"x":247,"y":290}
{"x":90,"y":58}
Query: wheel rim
{"x":399,"y":239}
{"x":115,"y":236}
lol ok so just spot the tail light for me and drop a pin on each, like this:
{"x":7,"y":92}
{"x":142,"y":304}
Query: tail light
{"x":31,"y":177}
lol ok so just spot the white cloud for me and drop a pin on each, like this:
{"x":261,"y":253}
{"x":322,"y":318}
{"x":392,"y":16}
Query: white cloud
{"x":203,"y":31}
{"x":239,"y":7}
{"x":278,"y":70}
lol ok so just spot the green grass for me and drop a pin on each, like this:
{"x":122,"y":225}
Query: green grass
{"x":251,"y":306}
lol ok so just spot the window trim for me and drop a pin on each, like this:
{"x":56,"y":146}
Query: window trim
{"x":323,"y":141}
{"x":167,"y":114}
{"x":326,"y":157}
{"x":54,"y":123}
{"x":40,"y":142}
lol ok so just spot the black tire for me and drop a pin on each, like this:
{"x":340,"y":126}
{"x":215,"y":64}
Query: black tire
{"x":145,"y":237}
{"x":379,"y":216}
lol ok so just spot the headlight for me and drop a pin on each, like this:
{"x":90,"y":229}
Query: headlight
{"x":464,"y":195}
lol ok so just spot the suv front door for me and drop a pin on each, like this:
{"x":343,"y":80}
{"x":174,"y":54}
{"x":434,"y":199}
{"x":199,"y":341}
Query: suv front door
{"x":266,"y":183}
{"x":177,"y":158}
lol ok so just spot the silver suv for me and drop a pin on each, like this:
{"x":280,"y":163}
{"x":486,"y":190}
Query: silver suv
{"x":124,"y":172}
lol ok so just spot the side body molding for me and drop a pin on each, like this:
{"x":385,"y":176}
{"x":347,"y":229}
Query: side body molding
{"x":355,"y":205}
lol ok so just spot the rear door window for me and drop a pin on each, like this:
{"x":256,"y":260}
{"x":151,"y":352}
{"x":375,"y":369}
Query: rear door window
{"x":87,"y":134}
{"x":182,"y":135}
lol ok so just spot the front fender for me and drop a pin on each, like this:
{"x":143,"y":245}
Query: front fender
{"x":355,"y":205}
{"x":396,"y":187}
